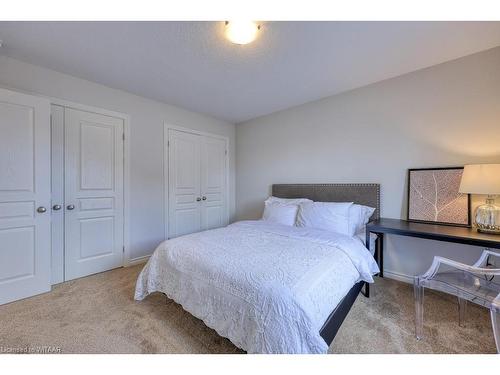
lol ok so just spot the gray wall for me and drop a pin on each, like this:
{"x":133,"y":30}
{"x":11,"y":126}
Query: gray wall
{"x":446,"y":115}
{"x":146,"y":126}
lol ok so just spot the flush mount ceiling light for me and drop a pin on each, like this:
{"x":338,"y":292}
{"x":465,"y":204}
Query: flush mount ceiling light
{"x":241,"y":32}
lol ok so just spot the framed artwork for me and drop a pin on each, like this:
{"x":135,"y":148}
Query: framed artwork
{"x":433,"y":197}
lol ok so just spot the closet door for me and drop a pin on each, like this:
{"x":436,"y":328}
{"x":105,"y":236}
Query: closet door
{"x":24,"y":196}
{"x":57,"y":182}
{"x":184,"y":183}
{"x":213,"y":182}
{"x":93,"y":193}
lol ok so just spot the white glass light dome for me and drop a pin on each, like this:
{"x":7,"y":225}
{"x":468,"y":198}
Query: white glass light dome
{"x":241,"y":32}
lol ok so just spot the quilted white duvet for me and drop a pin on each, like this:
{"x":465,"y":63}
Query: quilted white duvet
{"x":268,"y":288}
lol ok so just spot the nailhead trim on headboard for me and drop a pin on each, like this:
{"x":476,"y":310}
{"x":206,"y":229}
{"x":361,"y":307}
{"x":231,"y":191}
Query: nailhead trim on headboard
{"x":366,"y":194}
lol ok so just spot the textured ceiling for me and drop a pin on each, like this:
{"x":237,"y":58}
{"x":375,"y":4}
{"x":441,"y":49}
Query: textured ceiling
{"x":191,"y":65}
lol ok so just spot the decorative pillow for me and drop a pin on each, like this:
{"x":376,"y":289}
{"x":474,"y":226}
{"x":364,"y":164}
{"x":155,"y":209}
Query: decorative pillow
{"x":280,"y":213}
{"x":330,"y":216}
{"x":359,"y":215}
{"x":295,"y":201}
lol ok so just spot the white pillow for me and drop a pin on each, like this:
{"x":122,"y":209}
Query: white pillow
{"x":280,"y":213}
{"x":359,"y":215}
{"x":295,"y":201}
{"x":330,"y":216}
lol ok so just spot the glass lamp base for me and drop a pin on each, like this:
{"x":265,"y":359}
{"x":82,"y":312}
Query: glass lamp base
{"x":490,"y":231}
{"x":487,"y":218}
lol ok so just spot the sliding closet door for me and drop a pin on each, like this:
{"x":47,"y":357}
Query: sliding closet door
{"x":93,"y":193}
{"x":213,"y":182}
{"x":184,"y":183}
{"x":24,"y":196}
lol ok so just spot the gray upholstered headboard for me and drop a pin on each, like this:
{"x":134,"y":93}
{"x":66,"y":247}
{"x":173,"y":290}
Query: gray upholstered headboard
{"x":365,"y":194}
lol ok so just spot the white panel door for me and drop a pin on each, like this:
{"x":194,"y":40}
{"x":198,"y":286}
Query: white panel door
{"x":57,"y":181}
{"x":184,"y":183}
{"x":213,"y":182}
{"x":93,"y":193}
{"x":24,"y":196}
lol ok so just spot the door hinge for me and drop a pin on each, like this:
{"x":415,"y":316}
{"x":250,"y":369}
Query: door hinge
{"x":168,"y":143}
{"x":123,"y":249}
{"x":123,"y":136}
{"x":225,"y":152}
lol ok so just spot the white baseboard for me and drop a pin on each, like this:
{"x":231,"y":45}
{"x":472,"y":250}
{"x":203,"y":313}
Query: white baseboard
{"x":138,"y":260}
{"x":398,"y":276}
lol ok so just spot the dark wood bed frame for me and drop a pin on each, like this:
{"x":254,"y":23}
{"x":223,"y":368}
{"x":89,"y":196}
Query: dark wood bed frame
{"x":365,"y":194}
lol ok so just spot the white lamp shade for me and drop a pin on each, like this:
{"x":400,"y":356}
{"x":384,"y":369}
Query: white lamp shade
{"x":481,"y":179}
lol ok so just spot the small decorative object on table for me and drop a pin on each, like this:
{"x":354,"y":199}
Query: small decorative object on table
{"x":484,"y":179}
{"x":434,"y":196}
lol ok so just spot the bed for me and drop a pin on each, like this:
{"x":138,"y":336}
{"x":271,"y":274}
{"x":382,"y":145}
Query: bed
{"x":267,"y":287}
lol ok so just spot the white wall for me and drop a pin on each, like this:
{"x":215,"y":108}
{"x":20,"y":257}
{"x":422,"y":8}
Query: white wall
{"x":146,"y":126}
{"x":446,"y":115}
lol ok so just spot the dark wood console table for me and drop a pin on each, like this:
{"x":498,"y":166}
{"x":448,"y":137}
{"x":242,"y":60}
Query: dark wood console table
{"x":462,"y":235}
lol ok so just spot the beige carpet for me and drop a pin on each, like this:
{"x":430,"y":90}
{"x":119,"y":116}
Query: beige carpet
{"x":97,"y":314}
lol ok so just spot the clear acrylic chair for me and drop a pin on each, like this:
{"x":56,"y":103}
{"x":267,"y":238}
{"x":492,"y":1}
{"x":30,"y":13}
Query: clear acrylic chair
{"x":479,"y":283}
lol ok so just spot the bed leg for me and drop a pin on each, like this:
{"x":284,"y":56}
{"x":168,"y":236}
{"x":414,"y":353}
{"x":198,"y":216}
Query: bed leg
{"x":367,"y":290}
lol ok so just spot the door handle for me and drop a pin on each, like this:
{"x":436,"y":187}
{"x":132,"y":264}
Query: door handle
{"x":70,"y":207}
{"x":198,"y":199}
{"x":204,"y":198}
{"x":56,"y":207}
{"x":41,"y":210}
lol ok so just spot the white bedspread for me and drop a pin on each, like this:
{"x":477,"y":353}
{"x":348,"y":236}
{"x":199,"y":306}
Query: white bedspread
{"x":269,"y":288}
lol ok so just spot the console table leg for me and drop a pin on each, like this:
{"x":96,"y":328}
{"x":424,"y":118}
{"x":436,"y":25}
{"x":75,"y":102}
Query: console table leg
{"x":381,"y":254}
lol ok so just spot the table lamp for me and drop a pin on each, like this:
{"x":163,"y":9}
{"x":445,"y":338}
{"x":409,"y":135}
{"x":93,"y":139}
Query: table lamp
{"x":484,"y":179}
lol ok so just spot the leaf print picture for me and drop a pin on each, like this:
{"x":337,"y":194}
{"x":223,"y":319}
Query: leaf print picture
{"x":434,"y":197}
